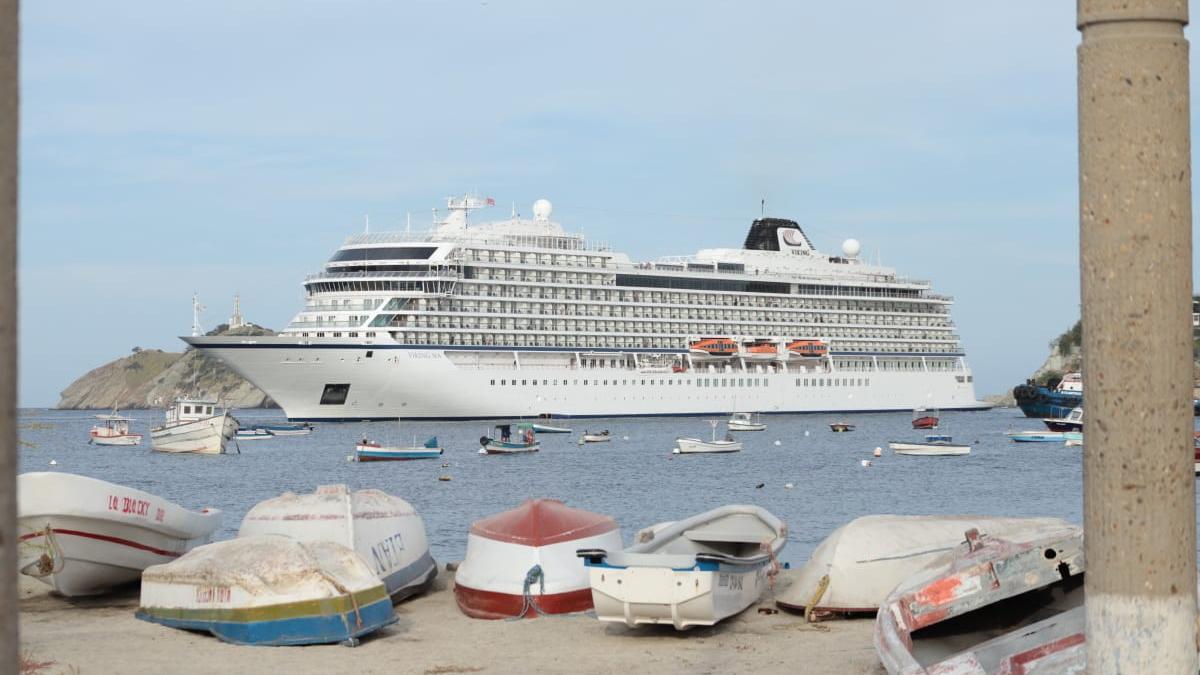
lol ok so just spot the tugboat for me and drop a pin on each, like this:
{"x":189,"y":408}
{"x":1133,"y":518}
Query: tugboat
{"x":1050,"y":402}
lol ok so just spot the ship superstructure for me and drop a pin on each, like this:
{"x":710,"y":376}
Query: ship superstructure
{"x":518,"y":317}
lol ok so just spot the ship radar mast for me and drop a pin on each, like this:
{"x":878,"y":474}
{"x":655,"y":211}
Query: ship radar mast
{"x":460,"y":208}
{"x":196,"y":309}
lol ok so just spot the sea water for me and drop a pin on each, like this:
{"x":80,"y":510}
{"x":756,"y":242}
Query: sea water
{"x":634,"y":478}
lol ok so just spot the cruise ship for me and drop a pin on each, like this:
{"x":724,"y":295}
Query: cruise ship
{"x":519,"y":317}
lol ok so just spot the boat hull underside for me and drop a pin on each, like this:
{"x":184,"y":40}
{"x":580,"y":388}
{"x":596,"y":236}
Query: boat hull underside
{"x":406,"y":383}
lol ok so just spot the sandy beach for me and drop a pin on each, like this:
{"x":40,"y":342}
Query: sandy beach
{"x":431,"y":636}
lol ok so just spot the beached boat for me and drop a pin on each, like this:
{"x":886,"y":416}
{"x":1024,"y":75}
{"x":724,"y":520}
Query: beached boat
{"x":688,"y":446}
{"x":596,"y":436}
{"x":925,"y":419}
{"x":113,"y":430}
{"x":510,"y":439}
{"x":694,"y":572}
{"x":194,"y":425}
{"x":385,"y":530}
{"x":1072,"y":422}
{"x":992,"y":605}
{"x":934,"y":444}
{"x":1036,"y":436}
{"x":268,"y":590}
{"x":83,"y":536}
{"x":841,"y":427}
{"x":744,"y":421}
{"x":522,"y":562}
{"x":252,"y":435}
{"x":369,"y":451}
{"x":854,"y":568}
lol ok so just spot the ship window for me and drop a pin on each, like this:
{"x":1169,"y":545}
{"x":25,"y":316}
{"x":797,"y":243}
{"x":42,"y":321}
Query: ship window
{"x":503,"y":382}
{"x":371,"y":353}
{"x":335,"y":394}
{"x":208,"y":410}
{"x":493,"y":383}
{"x":187,"y":410}
{"x":386,"y":253}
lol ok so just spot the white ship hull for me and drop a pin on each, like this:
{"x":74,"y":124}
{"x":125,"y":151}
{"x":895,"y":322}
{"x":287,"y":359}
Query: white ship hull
{"x":435,"y":383}
{"x":206,"y":436}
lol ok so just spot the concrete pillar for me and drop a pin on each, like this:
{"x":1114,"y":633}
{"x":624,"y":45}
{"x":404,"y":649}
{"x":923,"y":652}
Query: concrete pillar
{"x":9,"y":33}
{"x":1135,"y":222}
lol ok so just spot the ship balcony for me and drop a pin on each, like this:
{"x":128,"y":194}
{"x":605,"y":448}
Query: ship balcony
{"x":431,"y":274}
{"x":325,"y":324}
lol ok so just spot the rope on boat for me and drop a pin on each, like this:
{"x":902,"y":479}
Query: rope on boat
{"x":810,"y":608}
{"x":528,"y":602}
{"x":51,"y":559}
{"x":773,"y":570}
{"x":358,"y":622}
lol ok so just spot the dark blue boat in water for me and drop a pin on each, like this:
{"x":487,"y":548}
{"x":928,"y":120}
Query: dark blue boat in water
{"x":1055,"y":400}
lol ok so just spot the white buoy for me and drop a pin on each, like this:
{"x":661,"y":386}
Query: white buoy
{"x":624,"y":438}
{"x":778,"y":442}
{"x":675,"y":451}
{"x":787,"y":486}
{"x":866,"y":462}
{"x":878,"y":452}
{"x":349,"y":458}
{"x":53,"y":463}
{"x":806,"y":432}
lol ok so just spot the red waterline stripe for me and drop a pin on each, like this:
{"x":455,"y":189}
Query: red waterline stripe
{"x":105,"y":537}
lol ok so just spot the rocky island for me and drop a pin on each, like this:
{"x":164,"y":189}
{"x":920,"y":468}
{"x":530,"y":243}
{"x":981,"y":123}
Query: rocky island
{"x":151,"y":378}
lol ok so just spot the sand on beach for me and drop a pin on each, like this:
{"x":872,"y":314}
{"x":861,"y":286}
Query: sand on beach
{"x":100,"y":635}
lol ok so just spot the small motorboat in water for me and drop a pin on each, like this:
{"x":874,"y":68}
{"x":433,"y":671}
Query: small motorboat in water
{"x":597,"y":436}
{"x":925,"y":419}
{"x":1072,"y":422}
{"x":841,"y":427}
{"x":194,"y":425}
{"x":252,"y":434}
{"x":991,"y":605}
{"x":690,"y":446}
{"x":369,"y":451}
{"x":853,"y":570}
{"x":385,"y":530}
{"x":549,"y":429}
{"x":933,"y":445}
{"x":694,"y":572}
{"x":510,"y":439}
{"x":83,"y":536}
{"x":744,"y":421}
{"x":521,"y":562}
{"x":268,"y":590}
{"x":1037,"y":436}
{"x":113,"y":430}
{"x":286,"y":429}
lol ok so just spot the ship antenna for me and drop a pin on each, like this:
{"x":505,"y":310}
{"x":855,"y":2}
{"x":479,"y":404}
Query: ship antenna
{"x":196,"y":309}
{"x":408,"y":222}
{"x":762,"y":207}
{"x":366,"y":223}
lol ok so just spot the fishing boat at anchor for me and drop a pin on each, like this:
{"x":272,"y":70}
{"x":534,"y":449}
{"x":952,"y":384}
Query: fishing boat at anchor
{"x":113,"y":430}
{"x":268,"y":590}
{"x":194,"y":425}
{"x":596,"y":436}
{"x":934,"y":444}
{"x":84,"y":536}
{"x":744,"y":421}
{"x":689,"y":446}
{"x":385,"y":530}
{"x":522,"y":563}
{"x":694,"y":572}
{"x":549,"y":429}
{"x":370,"y":451}
{"x":841,"y":427}
{"x":925,"y":419}
{"x":510,"y":439}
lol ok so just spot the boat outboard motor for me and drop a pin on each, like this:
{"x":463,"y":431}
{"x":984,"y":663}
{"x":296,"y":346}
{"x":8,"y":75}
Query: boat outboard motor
{"x":484,"y":440}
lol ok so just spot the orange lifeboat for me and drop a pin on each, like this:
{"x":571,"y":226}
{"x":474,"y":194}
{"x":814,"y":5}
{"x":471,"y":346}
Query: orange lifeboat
{"x":808,"y":348}
{"x":760,"y":350}
{"x":718,"y":346}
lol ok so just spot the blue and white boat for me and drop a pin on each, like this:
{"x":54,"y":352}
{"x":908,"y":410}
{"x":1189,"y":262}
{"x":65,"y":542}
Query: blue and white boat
{"x":252,"y":434}
{"x":933,"y":445}
{"x":268,"y":590}
{"x":510,"y":439}
{"x":369,"y":451}
{"x":1038,"y":436}
{"x":1055,"y":402}
{"x":550,"y":429}
{"x":284,"y":429}
{"x":694,"y":572}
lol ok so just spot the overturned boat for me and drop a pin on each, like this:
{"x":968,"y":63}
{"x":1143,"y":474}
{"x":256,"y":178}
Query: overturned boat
{"x":521,"y":562}
{"x":385,"y":530}
{"x":268,"y":590}
{"x":694,"y":572}
{"x":990,"y":606}
{"x":855,"y":567}
{"x":83,"y":536}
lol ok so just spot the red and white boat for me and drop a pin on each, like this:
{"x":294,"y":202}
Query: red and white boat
{"x":522,"y":562}
{"x":83,"y":536}
{"x":113,"y":430}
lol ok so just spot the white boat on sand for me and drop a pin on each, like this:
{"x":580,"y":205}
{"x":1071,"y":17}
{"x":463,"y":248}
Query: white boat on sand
{"x":694,"y":572}
{"x":856,"y":566}
{"x":385,"y":530}
{"x":688,"y":446}
{"x":744,"y":421}
{"x":194,"y":425}
{"x":933,"y":445}
{"x":268,"y":590}
{"x":83,"y":536}
{"x":990,"y":606}
{"x":113,"y":430}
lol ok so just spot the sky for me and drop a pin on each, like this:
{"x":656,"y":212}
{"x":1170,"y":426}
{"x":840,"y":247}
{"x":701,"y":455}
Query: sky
{"x":230,"y":147}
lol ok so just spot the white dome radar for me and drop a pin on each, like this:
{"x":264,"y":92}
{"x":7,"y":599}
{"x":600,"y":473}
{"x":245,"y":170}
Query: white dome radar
{"x":542,"y":209}
{"x":851,"y":248}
